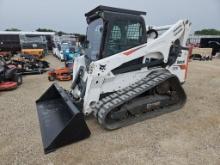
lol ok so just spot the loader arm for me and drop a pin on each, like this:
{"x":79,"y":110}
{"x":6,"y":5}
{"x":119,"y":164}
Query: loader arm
{"x":162,"y":44}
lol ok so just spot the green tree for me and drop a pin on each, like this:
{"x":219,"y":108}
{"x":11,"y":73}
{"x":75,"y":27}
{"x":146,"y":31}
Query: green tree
{"x":60,"y":33}
{"x":207,"y":32}
{"x":44,"y":30}
{"x":12,"y":29}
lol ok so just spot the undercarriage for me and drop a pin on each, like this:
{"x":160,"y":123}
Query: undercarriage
{"x":158,"y":93}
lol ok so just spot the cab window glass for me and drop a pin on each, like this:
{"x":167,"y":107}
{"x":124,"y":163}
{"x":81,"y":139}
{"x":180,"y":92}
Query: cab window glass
{"x":123,"y":35}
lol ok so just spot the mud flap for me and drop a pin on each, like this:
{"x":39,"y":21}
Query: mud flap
{"x":61,"y":122}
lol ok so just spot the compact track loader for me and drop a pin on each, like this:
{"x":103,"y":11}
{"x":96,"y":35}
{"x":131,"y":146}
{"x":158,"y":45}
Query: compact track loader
{"x":129,"y":73}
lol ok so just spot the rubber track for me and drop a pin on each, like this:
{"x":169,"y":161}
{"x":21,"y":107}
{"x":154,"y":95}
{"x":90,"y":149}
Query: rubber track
{"x":110,"y":102}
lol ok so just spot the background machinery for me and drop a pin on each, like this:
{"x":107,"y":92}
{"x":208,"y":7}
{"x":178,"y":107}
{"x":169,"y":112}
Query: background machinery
{"x":34,"y":45}
{"x":9,"y":76}
{"x":61,"y":74}
{"x":128,"y":73}
{"x":65,"y":73}
{"x":29,"y":64}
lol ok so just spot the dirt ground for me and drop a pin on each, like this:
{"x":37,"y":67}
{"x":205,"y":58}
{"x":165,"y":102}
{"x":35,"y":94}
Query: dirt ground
{"x":188,"y":136}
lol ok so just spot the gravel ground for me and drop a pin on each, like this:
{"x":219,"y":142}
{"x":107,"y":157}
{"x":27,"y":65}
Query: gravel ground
{"x":188,"y":136}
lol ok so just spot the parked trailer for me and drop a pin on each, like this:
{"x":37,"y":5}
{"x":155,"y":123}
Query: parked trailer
{"x":13,"y":40}
{"x":10,"y":42}
{"x":206,"y":41}
{"x":213,"y":43}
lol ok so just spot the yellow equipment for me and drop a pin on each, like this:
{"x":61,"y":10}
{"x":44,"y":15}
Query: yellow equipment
{"x":39,"y":53}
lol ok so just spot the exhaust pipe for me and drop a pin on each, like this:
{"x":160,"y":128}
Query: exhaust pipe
{"x":61,"y":122}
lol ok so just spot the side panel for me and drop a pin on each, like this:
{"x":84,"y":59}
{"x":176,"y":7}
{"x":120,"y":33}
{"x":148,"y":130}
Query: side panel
{"x":121,"y":81}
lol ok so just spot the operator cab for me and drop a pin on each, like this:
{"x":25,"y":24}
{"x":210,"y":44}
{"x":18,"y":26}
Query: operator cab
{"x":113,"y":30}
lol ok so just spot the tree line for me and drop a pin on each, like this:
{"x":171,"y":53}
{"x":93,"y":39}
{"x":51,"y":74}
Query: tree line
{"x":207,"y":32}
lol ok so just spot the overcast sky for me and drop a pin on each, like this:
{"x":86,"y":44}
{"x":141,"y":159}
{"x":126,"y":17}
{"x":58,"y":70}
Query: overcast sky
{"x":68,"y":15}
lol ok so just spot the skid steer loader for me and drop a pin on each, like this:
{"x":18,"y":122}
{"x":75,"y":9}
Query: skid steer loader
{"x":129,"y":73}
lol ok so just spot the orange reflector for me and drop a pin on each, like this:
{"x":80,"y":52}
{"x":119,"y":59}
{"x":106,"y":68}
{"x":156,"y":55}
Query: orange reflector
{"x":183,"y":67}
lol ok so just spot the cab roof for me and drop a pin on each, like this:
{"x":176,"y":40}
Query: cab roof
{"x":113,"y":9}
